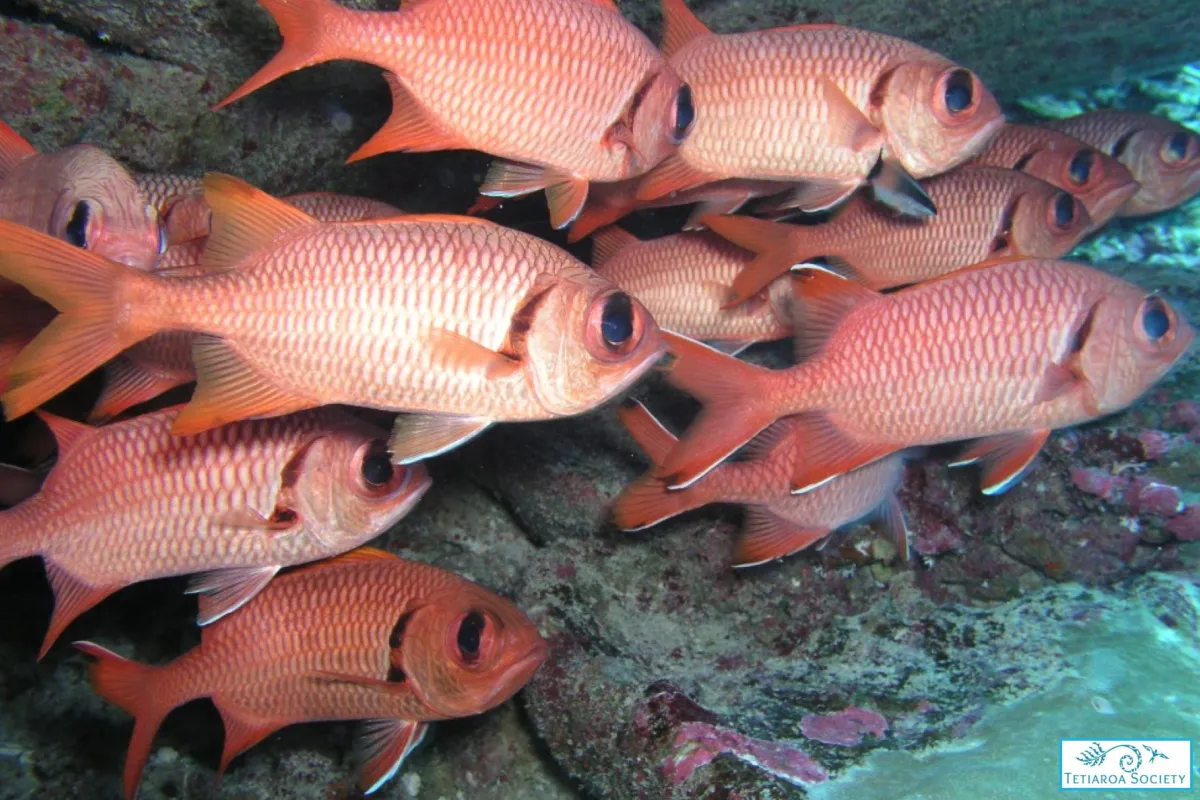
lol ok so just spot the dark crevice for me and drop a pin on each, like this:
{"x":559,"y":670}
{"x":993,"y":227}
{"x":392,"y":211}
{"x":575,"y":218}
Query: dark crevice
{"x":31,"y":14}
{"x":509,"y":511}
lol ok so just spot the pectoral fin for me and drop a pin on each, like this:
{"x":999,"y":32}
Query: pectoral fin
{"x":418,"y":436}
{"x":383,"y":745}
{"x":895,"y":188}
{"x":1004,"y":459}
{"x":227,"y":590}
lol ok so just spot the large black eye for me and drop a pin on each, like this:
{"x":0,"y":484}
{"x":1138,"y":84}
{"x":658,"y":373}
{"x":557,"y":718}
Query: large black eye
{"x":77,"y":226}
{"x":616,"y":322}
{"x":1155,"y":320}
{"x":469,"y":633}
{"x":1064,"y":209}
{"x":685,"y":114}
{"x":959,"y":88}
{"x":377,"y":466}
{"x":1081,"y":167}
{"x":1175,"y":148}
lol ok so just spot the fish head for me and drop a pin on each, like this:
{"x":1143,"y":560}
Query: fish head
{"x":1101,"y":182}
{"x":100,"y":208}
{"x":464,"y":650}
{"x":1127,"y":342}
{"x":657,"y":119}
{"x":1165,"y":159}
{"x":587,"y":342}
{"x":935,"y":115}
{"x":1045,"y":221}
{"x":343,"y":488}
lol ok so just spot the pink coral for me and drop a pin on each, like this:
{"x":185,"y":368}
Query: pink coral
{"x":1148,"y":496}
{"x":1186,"y":526}
{"x":846,"y":727}
{"x":698,"y":743}
{"x":1099,"y":482}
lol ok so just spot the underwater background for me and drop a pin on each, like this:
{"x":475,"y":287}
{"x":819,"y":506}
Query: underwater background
{"x":1067,"y":608}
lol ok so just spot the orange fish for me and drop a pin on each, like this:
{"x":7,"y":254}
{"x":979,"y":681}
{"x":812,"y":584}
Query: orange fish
{"x":130,"y":502}
{"x":986,"y":213}
{"x":1163,"y":156}
{"x":585,"y":97}
{"x":685,"y":280}
{"x":1101,"y":183}
{"x":463,"y":321}
{"x":834,"y":106}
{"x":778,"y":523}
{"x":21,"y":317}
{"x":79,"y":195}
{"x":1003,"y":352}
{"x":366,"y":636}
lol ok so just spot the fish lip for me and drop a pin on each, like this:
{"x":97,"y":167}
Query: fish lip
{"x":1111,"y":203}
{"x":636,"y":373}
{"x":523,"y":668}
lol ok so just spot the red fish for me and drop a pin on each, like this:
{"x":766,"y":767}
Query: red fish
{"x":366,"y":636}
{"x":584,"y":97}
{"x":79,"y":195}
{"x":21,"y":317}
{"x":1163,"y":156}
{"x":986,"y":213}
{"x":1003,"y":352}
{"x":1101,"y":183}
{"x":778,"y":523}
{"x":684,"y":281}
{"x":387,"y":315}
{"x":130,"y":502}
{"x":830,"y":105}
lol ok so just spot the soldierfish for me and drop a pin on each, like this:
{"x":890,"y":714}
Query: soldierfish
{"x":1003,"y":352}
{"x":685,"y":280}
{"x":986,"y":213}
{"x":21,"y":317}
{"x":129,"y":502}
{"x":1163,"y":156}
{"x":834,"y":106}
{"x":366,"y":636}
{"x":80,"y":195}
{"x":388,"y":315}
{"x":583,"y":97}
{"x":1101,"y":183}
{"x":778,"y":523}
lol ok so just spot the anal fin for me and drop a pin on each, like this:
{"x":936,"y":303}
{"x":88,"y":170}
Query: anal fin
{"x":895,"y":188}
{"x":128,"y":384}
{"x":846,"y":125}
{"x":72,"y":597}
{"x":826,"y":451}
{"x":243,"y":730}
{"x":408,"y":129}
{"x":1004,"y":459}
{"x":672,"y":175}
{"x":418,"y":436}
{"x":768,"y":536}
{"x":227,"y":590}
{"x":383,"y":745}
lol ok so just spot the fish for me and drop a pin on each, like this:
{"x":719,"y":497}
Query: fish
{"x":22,"y":317}
{"x":778,"y":523}
{"x":130,"y":502}
{"x":80,"y":195}
{"x":1001,"y":353}
{"x":684,"y":281}
{"x":609,"y":107}
{"x":365,"y":636}
{"x":456,"y":320}
{"x":1101,"y":183}
{"x":1163,"y":155}
{"x":986,"y":213}
{"x":836,"y":107}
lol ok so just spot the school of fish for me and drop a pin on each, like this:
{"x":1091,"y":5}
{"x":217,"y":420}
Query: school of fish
{"x":927,"y":300}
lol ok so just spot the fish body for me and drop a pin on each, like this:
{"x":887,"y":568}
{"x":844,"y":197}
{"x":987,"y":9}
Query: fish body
{"x":1003,"y":352}
{"x":684,"y":281}
{"x":1163,"y":156}
{"x":366,"y":636}
{"x":80,"y":195}
{"x":1101,"y":183}
{"x":568,"y":89}
{"x":984,"y":213}
{"x":129,"y":502}
{"x":462,"y":320}
{"x":822,"y":103}
{"x":778,"y":523}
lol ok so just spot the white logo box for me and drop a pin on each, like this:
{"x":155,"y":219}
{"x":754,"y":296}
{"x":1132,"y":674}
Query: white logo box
{"x":1116,"y":764}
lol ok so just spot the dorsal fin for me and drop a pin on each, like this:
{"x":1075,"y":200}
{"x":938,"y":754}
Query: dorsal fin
{"x":430,"y":218}
{"x":823,"y":298}
{"x":13,"y":150}
{"x":680,"y":26}
{"x":66,"y":432}
{"x":244,"y":219}
{"x":609,"y":241}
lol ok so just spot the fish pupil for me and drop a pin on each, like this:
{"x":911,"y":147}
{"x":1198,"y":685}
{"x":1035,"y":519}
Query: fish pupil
{"x":1064,"y":209}
{"x":377,"y":467}
{"x":1155,"y":321}
{"x":469,"y":633}
{"x":685,"y":113}
{"x":958,"y":91}
{"x":616,"y":322}
{"x":1177,"y":147}
{"x":1081,"y":167}
{"x":78,"y":224}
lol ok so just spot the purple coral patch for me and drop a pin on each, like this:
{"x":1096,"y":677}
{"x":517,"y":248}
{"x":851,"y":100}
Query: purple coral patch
{"x":846,"y":727}
{"x":698,"y":743}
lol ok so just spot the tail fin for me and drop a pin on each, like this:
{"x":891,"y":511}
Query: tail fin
{"x":735,"y":408}
{"x":132,"y":687}
{"x":647,"y":501}
{"x":92,"y":326}
{"x":304,"y":25}
{"x":779,"y":247}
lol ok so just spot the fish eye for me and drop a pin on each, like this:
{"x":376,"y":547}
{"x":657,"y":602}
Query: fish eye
{"x":685,"y":114}
{"x":958,"y":93}
{"x":616,"y":321}
{"x":1064,"y":210}
{"x":614,"y":327}
{"x":470,"y":634}
{"x":1175,"y":148}
{"x":1156,"y":322}
{"x":376,"y":467}
{"x":77,"y":226}
{"x":1080,"y":168}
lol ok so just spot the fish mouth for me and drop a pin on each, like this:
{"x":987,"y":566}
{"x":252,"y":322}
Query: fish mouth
{"x":1111,"y":202}
{"x":513,"y":679}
